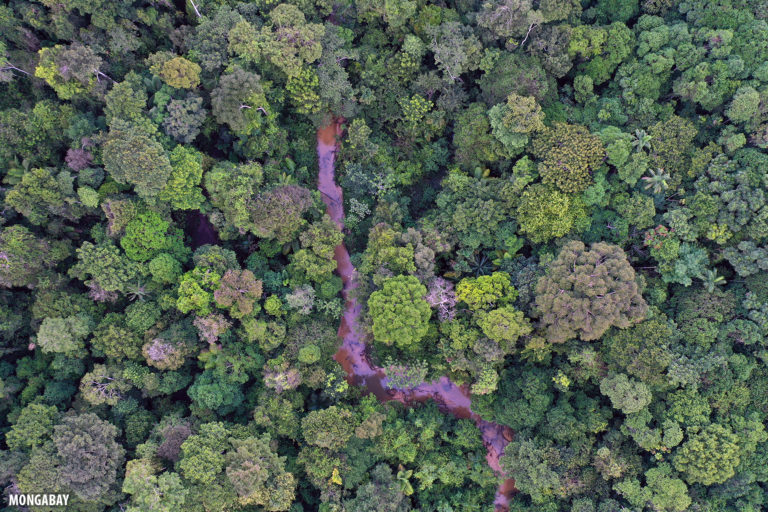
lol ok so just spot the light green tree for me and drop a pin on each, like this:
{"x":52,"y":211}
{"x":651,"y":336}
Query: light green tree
{"x":568,"y":155}
{"x":505,"y":325}
{"x":399,"y":312}
{"x":486,"y":292}
{"x":148,"y":234}
{"x":26,"y":258}
{"x":328,"y":428}
{"x":709,"y":456}
{"x":180,"y":73}
{"x":183,"y":187}
{"x":105,"y":267}
{"x":512,"y":122}
{"x":627,"y":395}
{"x":545,"y":213}
{"x":745,"y":105}
{"x":287,"y":40}
{"x":150,"y":491}
{"x":202,"y":454}
{"x":64,"y":335}
{"x":231,"y":188}
{"x":32,"y":428}
{"x":664,"y":492}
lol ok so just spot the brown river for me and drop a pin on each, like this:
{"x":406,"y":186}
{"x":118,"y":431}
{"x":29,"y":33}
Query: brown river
{"x":352,"y":352}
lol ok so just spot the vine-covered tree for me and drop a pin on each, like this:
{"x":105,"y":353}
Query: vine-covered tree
{"x":587,"y":291}
{"x":568,"y":156}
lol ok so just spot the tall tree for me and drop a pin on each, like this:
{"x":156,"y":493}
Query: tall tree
{"x":399,"y":312}
{"x":586,"y":291}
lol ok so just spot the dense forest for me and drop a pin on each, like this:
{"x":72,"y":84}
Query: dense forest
{"x":551,"y":212}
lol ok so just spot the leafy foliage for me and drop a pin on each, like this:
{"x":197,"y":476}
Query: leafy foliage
{"x":587,"y":291}
{"x":568,"y":154}
{"x":399,"y":312}
{"x":318,"y":255}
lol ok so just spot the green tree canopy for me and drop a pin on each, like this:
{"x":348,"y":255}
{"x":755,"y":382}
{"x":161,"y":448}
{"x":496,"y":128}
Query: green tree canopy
{"x":399,"y":312}
{"x":258,"y":474}
{"x":586,"y":291}
{"x":545,"y":213}
{"x":708,"y":456}
{"x":135,"y":159}
{"x":568,"y":155}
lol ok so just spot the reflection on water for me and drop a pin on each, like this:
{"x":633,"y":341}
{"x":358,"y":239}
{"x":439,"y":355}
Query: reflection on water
{"x":351,"y":354}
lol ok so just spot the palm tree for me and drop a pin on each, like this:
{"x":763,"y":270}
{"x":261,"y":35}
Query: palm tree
{"x":137,"y":292}
{"x":641,"y":140}
{"x":402,"y":479}
{"x":657,"y":181}
{"x":711,"y":279}
{"x":481,"y":265}
{"x":481,"y":173}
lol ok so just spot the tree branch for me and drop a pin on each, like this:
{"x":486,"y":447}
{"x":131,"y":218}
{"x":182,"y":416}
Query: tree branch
{"x":100,"y":74}
{"x":528,"y":33}
{"x":195,"y":8}
{"x":11,"y":66}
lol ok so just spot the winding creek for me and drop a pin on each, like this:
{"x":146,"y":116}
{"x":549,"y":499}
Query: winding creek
{"x":351,"y":354}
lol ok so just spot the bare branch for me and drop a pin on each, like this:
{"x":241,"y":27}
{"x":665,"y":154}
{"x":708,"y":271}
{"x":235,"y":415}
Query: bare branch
{"x":100,"y":74}
{"x":195,"y":8}
{"x":11,"y":66}
{"x":528,"y":33}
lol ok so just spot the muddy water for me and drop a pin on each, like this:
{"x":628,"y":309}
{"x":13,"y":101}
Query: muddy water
{"x":351,"y":354}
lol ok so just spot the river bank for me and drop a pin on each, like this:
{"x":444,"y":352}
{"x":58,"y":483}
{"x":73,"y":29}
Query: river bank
{"x":351,"y":355}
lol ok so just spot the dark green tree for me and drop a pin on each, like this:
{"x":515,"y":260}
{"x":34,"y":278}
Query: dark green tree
{"x":89,"y":456}
{"x":278,"y":213}
{"x":24,"y":258}
{"x":135,"y":159}
{"x":237,"y":92}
